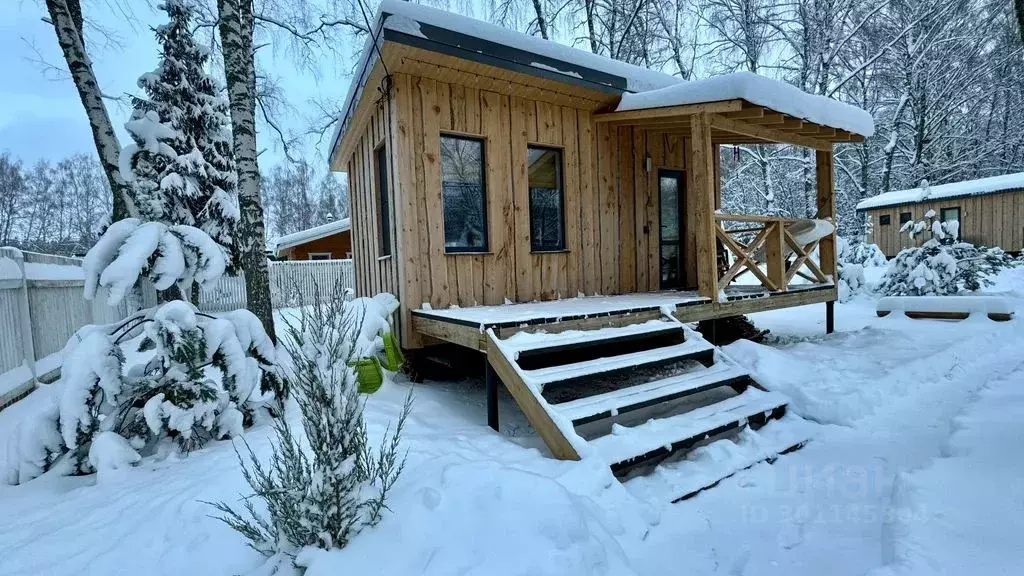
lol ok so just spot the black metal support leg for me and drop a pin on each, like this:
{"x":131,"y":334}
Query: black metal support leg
{"x":830,"y":316}
{"x":492,"y":397}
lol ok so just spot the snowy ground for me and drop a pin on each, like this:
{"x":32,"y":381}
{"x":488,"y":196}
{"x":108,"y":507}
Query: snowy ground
{"x":915,"y":469}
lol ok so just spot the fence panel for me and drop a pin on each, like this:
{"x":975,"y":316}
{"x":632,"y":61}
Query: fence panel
{"x":291,"y":283}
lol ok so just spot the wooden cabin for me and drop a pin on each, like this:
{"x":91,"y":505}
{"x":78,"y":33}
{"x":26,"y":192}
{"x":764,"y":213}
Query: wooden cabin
{"x":990,"y":212}
{"x":558,"y":211}
{"x":331,"y":241}
{"x":488,"y":167}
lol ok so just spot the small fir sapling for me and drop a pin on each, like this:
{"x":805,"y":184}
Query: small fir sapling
{"x":321,"y":488}
{"x":943,"y":265}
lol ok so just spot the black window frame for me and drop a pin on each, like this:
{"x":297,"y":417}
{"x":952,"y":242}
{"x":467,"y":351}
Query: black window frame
{"x":561,"y":198}
{"x":908,"y":218}
{"x":959,"y":219}
{"x":380,"y":157}
{"x":483,"y":192}
{"x":884,"y":220}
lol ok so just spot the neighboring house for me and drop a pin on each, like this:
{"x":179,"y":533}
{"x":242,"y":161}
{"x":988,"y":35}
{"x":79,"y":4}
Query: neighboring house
{"x":990,"y":212}
{"x":331,"y":241}
{"x":487,"y":166}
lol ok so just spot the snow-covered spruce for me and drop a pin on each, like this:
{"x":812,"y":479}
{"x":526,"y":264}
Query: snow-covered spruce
{"x":942,"y":265}
{"x":857,"y":251}
{"x":205,"y":375}
{"x":130,"y":249}
{"x":851,"y":258}
{"x":322,"y":490}
{"x":180,"y":166}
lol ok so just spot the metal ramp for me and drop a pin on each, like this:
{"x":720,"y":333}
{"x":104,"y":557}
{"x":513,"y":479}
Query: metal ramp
{"x":634,"y":394}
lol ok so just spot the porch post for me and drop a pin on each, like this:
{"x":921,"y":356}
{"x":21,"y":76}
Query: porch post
{"x":701,"y":159}
{"x":492,"y":396}
{"x":827,"y":209}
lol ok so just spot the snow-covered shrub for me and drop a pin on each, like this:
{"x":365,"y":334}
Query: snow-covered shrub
{"x":857,"y":251}
{"x":131,"y":248}
{"x":942,"y":265}
{"x":205,"y":375}
{"x":322,"y":490}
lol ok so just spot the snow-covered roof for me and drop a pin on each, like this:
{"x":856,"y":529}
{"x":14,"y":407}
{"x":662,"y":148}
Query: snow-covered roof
{"x":431,"y":28}
{"x":310,"y":234}
{"x":925,"y":192}
{"x":759,"y":90}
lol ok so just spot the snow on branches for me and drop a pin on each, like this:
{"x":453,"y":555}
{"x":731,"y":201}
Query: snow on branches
{"x":180,"y":166}
{"x":943,"y":265}
{"x":202,"y":376}
{"x":322,"y":490}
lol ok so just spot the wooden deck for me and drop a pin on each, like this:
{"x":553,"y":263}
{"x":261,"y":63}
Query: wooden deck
{"x":468,"y":326}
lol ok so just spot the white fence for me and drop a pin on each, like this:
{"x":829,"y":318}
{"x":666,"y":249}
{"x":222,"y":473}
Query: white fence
{"x":41,"y":307}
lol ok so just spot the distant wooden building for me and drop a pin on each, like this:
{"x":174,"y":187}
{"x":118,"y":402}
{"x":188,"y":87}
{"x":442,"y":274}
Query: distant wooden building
{"x":990,"y":212}
{"x":331,"y":241}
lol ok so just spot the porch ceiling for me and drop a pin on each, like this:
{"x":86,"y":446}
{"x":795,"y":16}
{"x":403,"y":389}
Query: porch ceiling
{"x":734,"y":122}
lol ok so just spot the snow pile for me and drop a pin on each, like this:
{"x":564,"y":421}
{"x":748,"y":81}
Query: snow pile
{"x":111,"y":452}
{"x":977,"y":187}
{"x":851,"y":259}
{"x":773,"y":94}
{"x":857,"y":251}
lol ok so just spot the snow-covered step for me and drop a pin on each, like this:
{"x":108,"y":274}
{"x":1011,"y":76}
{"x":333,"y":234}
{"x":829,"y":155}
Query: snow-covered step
{"x":525,"y":342}
{"x":690,"y":348}
{"x":635,"y":397}
{"x":625,"y":444}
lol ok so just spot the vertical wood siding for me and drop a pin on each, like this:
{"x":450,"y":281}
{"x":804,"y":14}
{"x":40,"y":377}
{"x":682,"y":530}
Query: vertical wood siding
{"x":989,"y":220}
{"x":611,"y":201}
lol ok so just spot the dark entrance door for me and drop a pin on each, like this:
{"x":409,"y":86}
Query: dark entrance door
{"x":670,"y":193}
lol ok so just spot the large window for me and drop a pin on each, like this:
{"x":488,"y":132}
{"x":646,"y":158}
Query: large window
{"x":547,"y":199}
{"x":463,"y":194}
{"x":384,"y":218}
{"x":884,"y":220}
{"x":951,"y":215}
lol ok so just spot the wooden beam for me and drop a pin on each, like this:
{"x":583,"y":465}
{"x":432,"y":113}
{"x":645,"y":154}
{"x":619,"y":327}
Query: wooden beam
{"x":669,"y":111}
{"x":826,"y":200}
{"x":746,"y":113}
{"x":703,"y":203}
{"x":468,"y":336}
{"x":767,"y":133}
{"x":775,"y":256}
{"x":536,"y":413}
{"x":769,"y":119}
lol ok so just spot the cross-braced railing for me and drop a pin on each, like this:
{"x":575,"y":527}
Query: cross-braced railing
{"x":773,"y":247}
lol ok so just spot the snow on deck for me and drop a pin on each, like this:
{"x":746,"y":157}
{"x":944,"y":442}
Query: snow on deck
{"x":759,"y":90}
{"x":554,"y":310}
{"x":924,"y":192}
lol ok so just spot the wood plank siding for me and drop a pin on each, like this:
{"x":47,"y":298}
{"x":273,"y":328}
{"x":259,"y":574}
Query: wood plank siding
{"x":988,"y":219}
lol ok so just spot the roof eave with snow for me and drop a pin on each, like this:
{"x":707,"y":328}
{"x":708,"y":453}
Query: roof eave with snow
{"x":470,"y":39}
{"x":952,"y":191}
{"x":315,"y":233}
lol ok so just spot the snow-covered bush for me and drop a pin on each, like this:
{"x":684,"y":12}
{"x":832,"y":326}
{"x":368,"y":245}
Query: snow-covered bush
{"x":942,"y":265}
{"x":322,"y":490}
{"x":205,"y":375}
{"x":857,"y":251}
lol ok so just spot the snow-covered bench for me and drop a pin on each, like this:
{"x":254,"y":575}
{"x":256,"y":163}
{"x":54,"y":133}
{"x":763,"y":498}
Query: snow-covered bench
{"x":946,"y":307}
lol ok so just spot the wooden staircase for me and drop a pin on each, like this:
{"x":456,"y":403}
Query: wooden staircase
{"x":634,"y":394}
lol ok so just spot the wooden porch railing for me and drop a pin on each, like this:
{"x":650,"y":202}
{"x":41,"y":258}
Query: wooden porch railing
{"x":773,"y":245}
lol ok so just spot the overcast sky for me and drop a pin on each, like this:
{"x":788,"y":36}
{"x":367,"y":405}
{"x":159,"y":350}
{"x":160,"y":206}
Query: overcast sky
{"x":41,"y":115}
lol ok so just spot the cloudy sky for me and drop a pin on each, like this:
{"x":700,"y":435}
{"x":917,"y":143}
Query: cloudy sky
{"x":41,"y":115}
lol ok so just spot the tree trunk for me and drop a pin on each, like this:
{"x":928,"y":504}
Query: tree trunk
{"x":542,"y":22}
{"x":64,"y":14}
{"x":236,"y":30}
{"x":1019,"y":4}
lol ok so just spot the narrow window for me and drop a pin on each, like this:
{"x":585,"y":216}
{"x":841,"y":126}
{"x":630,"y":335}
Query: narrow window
{"x":319,"y":255}
{"x":884,"y":220}
{"x":463,"y":194}
{"x":384,"y":217}
{"x":952,"y":215}
{"x":547,"y":199}
{"x":904,"y":218}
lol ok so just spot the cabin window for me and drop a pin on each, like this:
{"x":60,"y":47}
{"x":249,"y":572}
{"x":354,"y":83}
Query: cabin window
{"x":463,"y":194}
{"x":547,"y":199}
{"x":384,"y":213}
{"x":884,"y":220}
{"x":904,"y":218}
{"x":319,"y":255}
{"x":951,"y":215}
